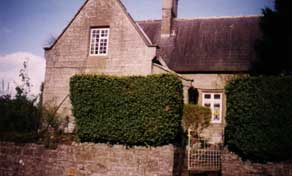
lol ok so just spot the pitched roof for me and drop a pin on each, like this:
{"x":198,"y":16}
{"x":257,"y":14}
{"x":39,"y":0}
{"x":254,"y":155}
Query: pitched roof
{"x":223,"y":44}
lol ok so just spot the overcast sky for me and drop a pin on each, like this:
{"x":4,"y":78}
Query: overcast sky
{"x":26,"y":25}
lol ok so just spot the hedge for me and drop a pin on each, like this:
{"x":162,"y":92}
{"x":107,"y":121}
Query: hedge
{"x":127,"y":110}
{"x":259,"y":118}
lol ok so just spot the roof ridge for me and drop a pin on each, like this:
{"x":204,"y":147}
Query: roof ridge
{"x":148,"y":20}
{"x":218,"y":17}
{"x":200,"y":18}
{"x":145,"y":35}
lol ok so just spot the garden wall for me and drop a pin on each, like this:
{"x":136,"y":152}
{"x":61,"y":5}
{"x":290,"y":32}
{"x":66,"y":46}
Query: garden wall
{"x":232,"y":165}
{"x":85,"y":160}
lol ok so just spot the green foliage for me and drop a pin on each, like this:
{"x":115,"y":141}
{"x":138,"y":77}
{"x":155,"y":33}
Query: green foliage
{"x":50,"y":118}
{"x":19,"y":114}
{"x":259,"y":123}
{"x":274,"y":49}
{"x":19,"y":137}
{"x":196,"y":117}
{"x":127,"y":110}
{"x":19,"y":119}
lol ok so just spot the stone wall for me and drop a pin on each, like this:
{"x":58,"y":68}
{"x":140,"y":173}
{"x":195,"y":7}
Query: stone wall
{"x":85,"y":160}
{"x":232,"y":165}
{"x":104,"y":160}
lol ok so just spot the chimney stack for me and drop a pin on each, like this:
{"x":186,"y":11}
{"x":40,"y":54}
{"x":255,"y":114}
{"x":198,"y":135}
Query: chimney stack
{"x":169,"y":13}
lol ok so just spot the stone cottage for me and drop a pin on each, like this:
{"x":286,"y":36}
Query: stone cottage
{"x":103,"y":38}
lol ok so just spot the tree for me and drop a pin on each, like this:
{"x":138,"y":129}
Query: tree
{"x":196,"y":118}
{"x":274,"y":49}
{"x":25,"y":87}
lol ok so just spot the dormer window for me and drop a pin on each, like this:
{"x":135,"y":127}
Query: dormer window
{"x":99,"y":38}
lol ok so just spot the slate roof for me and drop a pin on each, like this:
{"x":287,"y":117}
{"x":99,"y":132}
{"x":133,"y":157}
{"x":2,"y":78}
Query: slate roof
{"x":207,"y":44}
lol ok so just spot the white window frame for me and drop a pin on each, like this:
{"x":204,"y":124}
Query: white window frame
{"x":212,"y":101}
{"x":95,"y":48}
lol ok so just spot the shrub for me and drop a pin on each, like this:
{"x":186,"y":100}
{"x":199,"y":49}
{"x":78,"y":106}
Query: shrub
{"x":19,"y":118}
{"x":196,"y":117}
{"x":259,"y":123}
{"x":19,"y":137}
{"x":50,"y":127}
{"x":127,"y":110}
{"x":18,"y":115}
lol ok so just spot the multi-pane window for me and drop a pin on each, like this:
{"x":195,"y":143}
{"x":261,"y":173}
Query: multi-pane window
{"x":99,"y":38}
{"x":214,"y":102}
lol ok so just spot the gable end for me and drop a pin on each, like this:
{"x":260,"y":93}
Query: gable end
{"x":139,"y":30}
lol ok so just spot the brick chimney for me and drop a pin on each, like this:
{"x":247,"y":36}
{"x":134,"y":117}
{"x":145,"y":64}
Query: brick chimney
{"x":169,"y":12}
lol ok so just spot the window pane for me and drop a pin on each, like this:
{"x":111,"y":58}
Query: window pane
{"x":207,"y":96}
{"x":217,"y":96}
{"x":207,"y":105}
{"x":216,"y":118}
{"x":216,"y":112}
{"x":216,"y":105}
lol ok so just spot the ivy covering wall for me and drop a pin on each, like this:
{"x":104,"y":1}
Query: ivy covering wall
{"x":127,"y":110}
{"x":259,"y":118}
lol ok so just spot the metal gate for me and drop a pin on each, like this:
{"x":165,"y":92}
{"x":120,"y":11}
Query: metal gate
{"x":203,"y":156}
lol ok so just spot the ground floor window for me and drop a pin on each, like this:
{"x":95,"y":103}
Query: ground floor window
{"x":214,"y":102}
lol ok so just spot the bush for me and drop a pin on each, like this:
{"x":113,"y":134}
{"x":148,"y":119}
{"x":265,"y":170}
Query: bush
{"x":18,"y":115}
{"x":19,"y":118}
{"x":50,"y":128}
{"x":259,"y":118}
{"x":196,"y":118}
{"x":19,"y":137}
{"x":127,"y":110}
